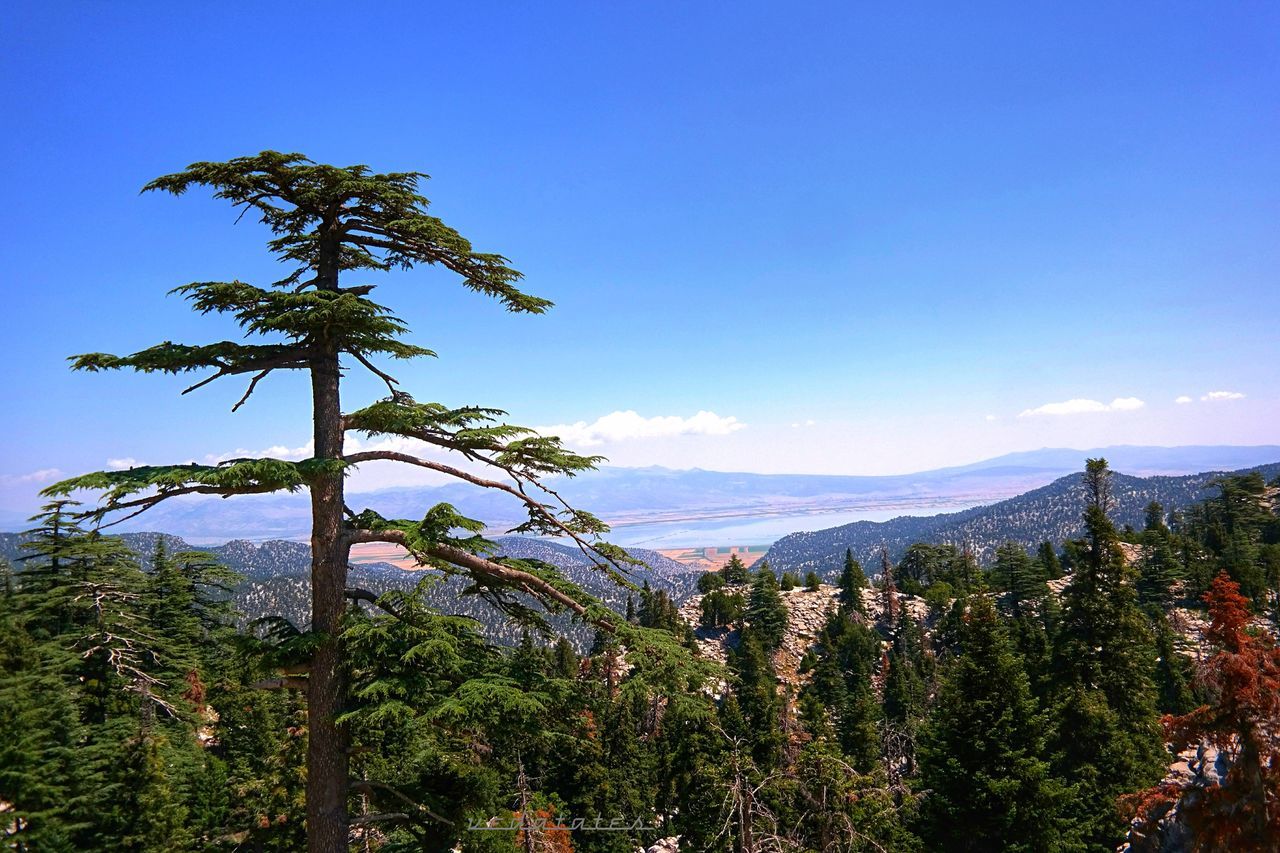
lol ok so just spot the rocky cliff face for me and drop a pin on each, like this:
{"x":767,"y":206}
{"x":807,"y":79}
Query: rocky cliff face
{"x":807,"y":613}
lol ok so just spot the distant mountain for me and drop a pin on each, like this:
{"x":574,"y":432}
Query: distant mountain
{"x":646,"y":495}
{"x":1051,"y":513}
{"x":277,"y":578}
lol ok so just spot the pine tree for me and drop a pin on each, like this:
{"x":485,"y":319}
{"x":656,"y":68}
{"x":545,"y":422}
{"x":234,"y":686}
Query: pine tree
{"x":1158,"y":568}
{"x":710,"y":581}
{"x":1050,"y":565}
{"x":42,"y":776}
{"x":758,"y":700}
{"x":1173,"y":669}
{"x":840,"y":689}
{"x":1108,"y":736}
{"x":906,"y":685}
{"x":1020,"y":577}
{"x":766,"y":615}
{"x":734,"y":572}
{"x":852,"y":582}
{"x":983,"y":752}
{"x":329,"y":222}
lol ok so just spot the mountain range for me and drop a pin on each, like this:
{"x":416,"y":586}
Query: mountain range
{"x":654,"y":495}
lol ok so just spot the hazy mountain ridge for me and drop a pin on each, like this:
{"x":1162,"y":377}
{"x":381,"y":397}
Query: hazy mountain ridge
{"x":626,"y":495}
{"x":1052,"y":513}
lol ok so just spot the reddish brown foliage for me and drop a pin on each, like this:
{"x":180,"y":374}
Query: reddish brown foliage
{"x":542,"y":835}
{"x":1242,"y":813}
{"x":195,"y":689}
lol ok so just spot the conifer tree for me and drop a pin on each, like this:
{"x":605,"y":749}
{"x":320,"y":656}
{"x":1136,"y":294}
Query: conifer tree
{"x":1242,"y":812}
{"x":734,"y":572}
{"x":766,"y":615}
{"x":840,"y":688}
{"x":852,"y":582}
{"x":1050,"y":565}
{"x":1158,"y":568}
{"x":1020,"y":577}
{"x":906,"y":686}
{"x":1108,"y":735}
{"x":330,"y":223}
{"x":758,"y":700}
{"x":983,"y":752}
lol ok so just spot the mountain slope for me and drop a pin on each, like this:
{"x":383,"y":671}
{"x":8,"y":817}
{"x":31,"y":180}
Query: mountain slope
{"x":1052,"y":513}
{"x":277,"y":578}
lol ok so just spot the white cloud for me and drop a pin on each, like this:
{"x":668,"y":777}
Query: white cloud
{"x":799,"y":424}
{"x":628,"y":425}
{"x":1183,"y":400}
{"x":122,"y":464}
{"x":276,"y":451}
{"x":993,"y":418}
{"x":44,"y":475}
{"x":1215,"y":396}
{"x":1081,"y":407}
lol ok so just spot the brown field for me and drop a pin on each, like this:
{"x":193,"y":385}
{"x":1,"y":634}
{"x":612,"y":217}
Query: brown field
{"x":707,"y":559}
{"x":381,"y":552}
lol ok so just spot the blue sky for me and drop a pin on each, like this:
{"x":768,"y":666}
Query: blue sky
{"x":864,"y":240}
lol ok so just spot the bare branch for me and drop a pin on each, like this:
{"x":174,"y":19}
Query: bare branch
{"x":365,"y":787}
{"x":253,"y":383}
{"x":391,"y":381}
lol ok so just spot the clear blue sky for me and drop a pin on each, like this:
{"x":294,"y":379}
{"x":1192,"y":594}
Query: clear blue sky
{"x":907,"y":227}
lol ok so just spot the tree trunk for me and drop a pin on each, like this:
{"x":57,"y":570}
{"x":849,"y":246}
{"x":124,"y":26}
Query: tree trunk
{"x":327,"y":746}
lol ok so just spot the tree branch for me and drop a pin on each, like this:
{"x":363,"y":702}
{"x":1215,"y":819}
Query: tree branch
{"x":147,"y":503}
{"x":517,"y":491}
{"x":482,"y":568}
{"x":365,"y":787}
{"x":391,"y":381}
{"x":253,"y":383}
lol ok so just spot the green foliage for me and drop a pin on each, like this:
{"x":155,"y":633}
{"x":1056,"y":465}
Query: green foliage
{"x":852,"y":581}
{"x":1108,"y":735}
{"x":1020,"y":577}
{"x":766,"y":615}
{"x":983,"y":753}
{"x":721,"y":608}
{"x":734,"y":572}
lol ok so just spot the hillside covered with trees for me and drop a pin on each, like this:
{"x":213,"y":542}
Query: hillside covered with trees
{"x":943,"y":710}
{"x":1050,"y":513}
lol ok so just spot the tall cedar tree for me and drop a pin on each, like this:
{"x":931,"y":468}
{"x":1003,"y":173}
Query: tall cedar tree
{"x":328,"y":223}
{"x":1242,"y":812}
{"x":1108,"y":734}
{"x":983,"y":752}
